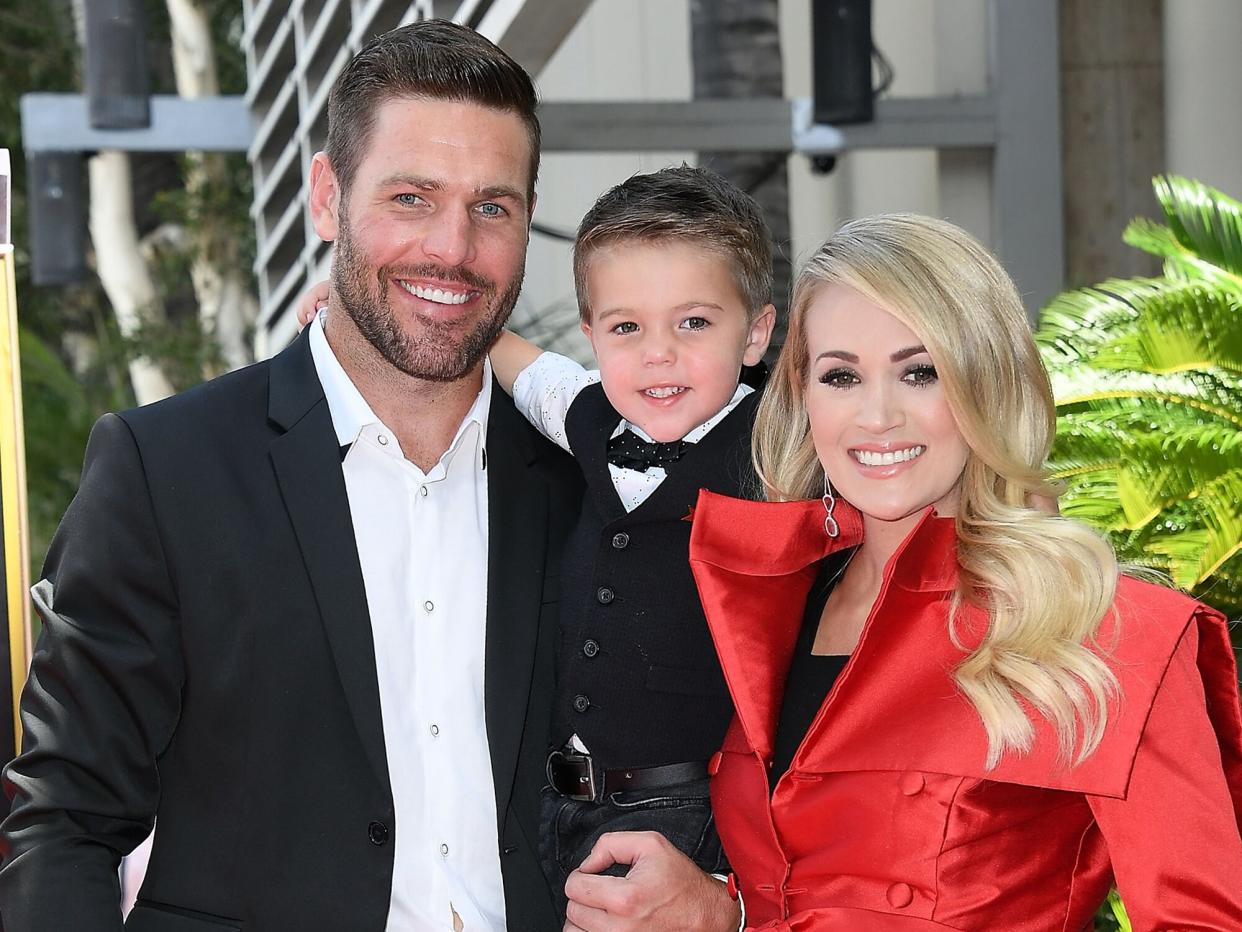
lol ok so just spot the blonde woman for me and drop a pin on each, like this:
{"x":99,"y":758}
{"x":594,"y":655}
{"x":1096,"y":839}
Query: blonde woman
{"x":970,"y":720}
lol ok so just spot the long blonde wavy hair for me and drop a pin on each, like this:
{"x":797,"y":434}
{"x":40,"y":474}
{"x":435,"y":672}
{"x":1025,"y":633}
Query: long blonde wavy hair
{"x":1046,"y":582}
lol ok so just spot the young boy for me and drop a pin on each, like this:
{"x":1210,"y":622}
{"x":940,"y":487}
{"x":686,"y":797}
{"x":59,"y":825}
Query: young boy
{"x":673,"y":272}
{"x":673,"y":276}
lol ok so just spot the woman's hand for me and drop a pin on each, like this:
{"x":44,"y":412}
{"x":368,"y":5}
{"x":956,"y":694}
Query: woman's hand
{"x":308,"y":306}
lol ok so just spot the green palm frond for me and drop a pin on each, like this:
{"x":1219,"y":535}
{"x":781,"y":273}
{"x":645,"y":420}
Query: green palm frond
{"x":1119,"y":912}
{"x":1205,"y":392}
{"x":1150,"y":470}
{"x":1130,"y":416}
{"x":1224,"y":590}
{"x":1204,"y":220}
{"x":1190,"y":327}
{"x":1075,"y":322}
{"x":1180,"y":264}
{"x":1147,"y":373}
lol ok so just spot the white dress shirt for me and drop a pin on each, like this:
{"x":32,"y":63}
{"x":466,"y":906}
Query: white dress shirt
{"x":422,"y":544}
{"x":545,"y":389}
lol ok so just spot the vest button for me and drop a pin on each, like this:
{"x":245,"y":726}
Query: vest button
{"x":605,"y":595}
{"x":581,"y":703}
{"x":900,"y":895}
{"x":378,"y":833}
{"x":912,"y":784}
{"x":590,"y":648}
{"x":621,"y":541}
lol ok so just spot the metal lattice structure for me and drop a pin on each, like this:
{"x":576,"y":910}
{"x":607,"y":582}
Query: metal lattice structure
{"x":294,"y":51}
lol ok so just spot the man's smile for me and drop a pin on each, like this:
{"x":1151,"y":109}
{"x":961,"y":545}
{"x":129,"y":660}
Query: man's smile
{"x":436,"y":295}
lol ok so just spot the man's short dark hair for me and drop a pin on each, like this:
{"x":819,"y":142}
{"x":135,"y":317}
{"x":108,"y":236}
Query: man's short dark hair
{"x":684,"y":204}
{"x":433,"y":59}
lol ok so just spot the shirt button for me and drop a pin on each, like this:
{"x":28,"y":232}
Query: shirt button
{"x":581,"y":703}
{"x":429,"y":605}
{"x":912,"y":784}
{"x":621,"y":541}
{"x":590,"y":648}
{"x":605,"y":595}
{"x":435,"y":731}
{"x":444,"y":851}
{"x":422,"y":490}
{"x":900,"y":895}
{"x":378,"y":833}
{"x":383,"y":441}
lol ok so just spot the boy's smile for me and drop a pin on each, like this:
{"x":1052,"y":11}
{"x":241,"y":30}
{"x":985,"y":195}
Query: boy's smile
{"x":671,"y":333}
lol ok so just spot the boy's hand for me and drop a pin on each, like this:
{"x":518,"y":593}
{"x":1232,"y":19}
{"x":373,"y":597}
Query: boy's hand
{"x":316,"y":296}
{"x":663,"y":891}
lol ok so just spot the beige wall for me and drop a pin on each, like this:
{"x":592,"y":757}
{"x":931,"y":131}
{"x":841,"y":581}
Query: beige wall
{"x":1203,"y":90}
{"x":639,"y":49}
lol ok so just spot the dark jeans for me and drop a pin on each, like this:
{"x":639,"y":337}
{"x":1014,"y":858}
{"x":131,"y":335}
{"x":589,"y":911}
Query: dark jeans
{"x":569,"y":828}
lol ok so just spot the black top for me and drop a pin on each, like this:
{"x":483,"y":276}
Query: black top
{"x":811,"y":676}
{"x":638,"y":679}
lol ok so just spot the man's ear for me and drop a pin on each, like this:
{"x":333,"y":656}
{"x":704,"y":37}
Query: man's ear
{"x":759,"y":335}
{"x":325,"y":198}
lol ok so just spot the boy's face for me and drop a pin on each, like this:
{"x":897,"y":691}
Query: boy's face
{"x":670,"y":333}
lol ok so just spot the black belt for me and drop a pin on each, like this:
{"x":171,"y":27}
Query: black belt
{"x":575,"y":775}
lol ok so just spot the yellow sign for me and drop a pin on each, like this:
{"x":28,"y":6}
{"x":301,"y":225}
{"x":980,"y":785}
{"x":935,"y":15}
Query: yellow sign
{"x":13,"y":523}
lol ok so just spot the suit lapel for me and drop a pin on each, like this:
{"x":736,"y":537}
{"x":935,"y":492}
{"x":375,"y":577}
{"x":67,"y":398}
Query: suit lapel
{"x":517,"y":497}
{"x":307,"y":462}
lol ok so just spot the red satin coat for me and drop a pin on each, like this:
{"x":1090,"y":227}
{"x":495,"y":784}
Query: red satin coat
{"x":887,"y":819}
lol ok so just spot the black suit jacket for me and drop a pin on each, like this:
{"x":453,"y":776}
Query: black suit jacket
{"x":207,"y":659}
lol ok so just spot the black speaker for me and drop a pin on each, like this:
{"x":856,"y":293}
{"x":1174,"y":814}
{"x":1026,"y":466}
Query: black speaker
{"x":57,"y":205}
{"x":118,"y":87}
{"x":841,"y":61}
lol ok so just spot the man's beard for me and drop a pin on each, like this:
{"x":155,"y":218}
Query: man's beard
{"x":440,"y":351}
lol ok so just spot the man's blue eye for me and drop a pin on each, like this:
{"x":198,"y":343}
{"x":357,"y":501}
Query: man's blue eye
{"x":408,"y":199}
{"x":491,"y":210}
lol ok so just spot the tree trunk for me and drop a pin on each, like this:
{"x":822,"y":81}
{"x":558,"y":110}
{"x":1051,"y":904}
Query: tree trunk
{"x":122,"y":269}
{"x":736,"y":54}
{"x":227,"y":306}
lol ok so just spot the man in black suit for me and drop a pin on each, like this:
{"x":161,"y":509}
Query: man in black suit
{"x":280,"y":601}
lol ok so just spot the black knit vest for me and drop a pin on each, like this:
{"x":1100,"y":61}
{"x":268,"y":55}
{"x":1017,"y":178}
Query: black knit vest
{"x":637,"y":674}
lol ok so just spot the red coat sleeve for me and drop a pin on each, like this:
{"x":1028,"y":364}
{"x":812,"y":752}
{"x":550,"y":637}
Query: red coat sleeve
{"x":1174,"y":840}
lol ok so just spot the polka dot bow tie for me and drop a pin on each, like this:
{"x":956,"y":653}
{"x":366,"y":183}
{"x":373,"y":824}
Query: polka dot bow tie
{"x":630,"y":451}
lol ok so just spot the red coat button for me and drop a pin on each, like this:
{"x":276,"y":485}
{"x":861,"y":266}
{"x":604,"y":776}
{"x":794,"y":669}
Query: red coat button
{"x":912,"y":784}
{"x":900,"y":895}
{"x":714,"y":764}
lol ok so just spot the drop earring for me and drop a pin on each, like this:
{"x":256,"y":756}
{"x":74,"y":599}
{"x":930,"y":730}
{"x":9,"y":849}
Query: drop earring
{"x":831,"y":528}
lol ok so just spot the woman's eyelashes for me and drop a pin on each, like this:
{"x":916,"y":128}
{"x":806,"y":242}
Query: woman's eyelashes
{"x":839,"y":377}
{"x":922,"y":373}
{"x":916,"y":375}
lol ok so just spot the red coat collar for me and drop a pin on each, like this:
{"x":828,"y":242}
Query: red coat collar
{"x":755,"y":562}
{"x":896,"y":707}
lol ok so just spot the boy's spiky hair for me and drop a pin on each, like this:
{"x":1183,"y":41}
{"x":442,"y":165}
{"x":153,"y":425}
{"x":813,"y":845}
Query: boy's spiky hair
{"x":685,"y":204}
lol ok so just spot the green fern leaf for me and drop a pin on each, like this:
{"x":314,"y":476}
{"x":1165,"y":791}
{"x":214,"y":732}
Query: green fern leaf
{"x":1204,"y":220}
{"x":1188,"y":328}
